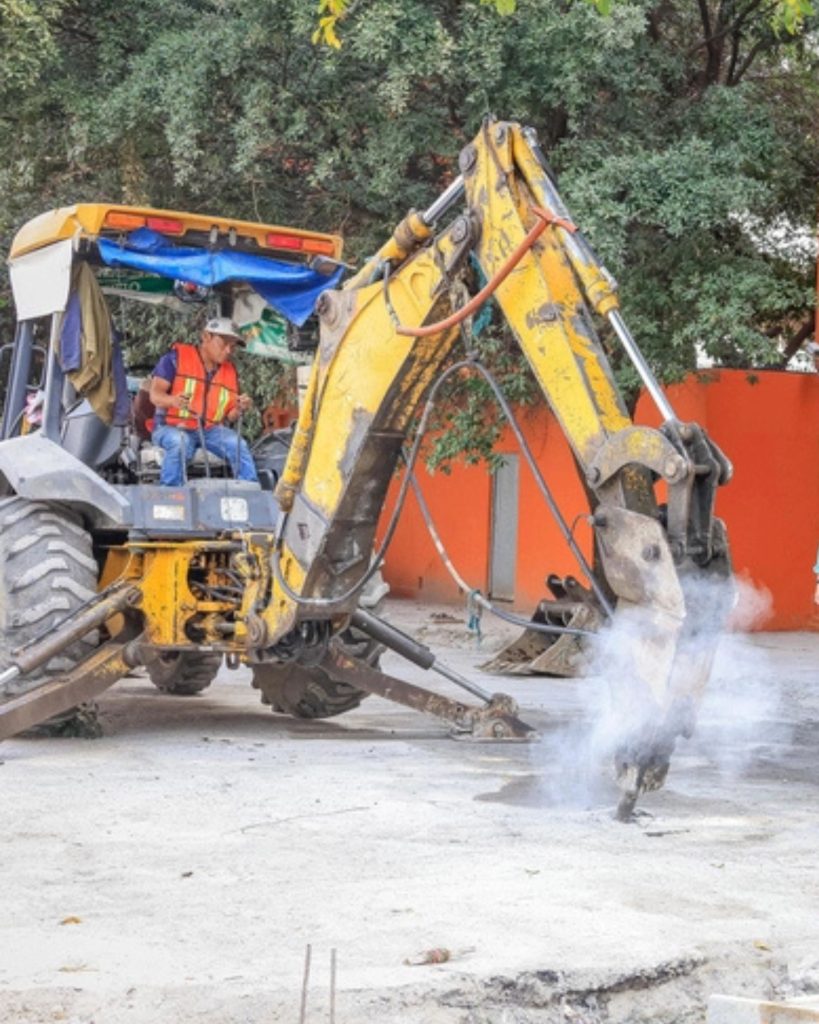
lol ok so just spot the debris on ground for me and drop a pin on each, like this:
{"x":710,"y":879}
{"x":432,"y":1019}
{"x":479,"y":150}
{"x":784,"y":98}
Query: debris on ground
{"x":438,"y":955}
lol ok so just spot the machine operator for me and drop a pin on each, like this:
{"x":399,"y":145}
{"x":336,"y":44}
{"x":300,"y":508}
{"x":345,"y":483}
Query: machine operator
{"x":195,"y":391}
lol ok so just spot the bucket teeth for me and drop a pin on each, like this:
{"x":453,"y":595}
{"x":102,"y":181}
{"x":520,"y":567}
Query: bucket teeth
{"x":536,"y":653}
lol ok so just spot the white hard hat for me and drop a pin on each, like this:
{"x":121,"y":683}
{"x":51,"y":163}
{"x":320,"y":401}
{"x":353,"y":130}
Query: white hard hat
{"x":224,"y":326}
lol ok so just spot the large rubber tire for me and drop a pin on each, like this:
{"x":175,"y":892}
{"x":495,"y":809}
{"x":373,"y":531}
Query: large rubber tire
{"x":184,"y":673}
{"x":47,"y":570}
{"x":302,"y":692}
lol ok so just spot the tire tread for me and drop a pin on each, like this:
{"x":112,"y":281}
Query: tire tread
{"x":47,"y":569}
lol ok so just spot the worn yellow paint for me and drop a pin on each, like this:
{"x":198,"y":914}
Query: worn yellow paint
{"x":352,"y":386}
{"x":166,"y":598}
{"x":402,"y":243}
{"x":114,"y":567}
{"x":645,"y":446}
{"x":542,"y":299}
{"x":598,"y":287}
{"x":161,"y":568}
{"x":280,"y":614}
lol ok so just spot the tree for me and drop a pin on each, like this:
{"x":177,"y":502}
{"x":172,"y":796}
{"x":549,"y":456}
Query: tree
{"x":783,"y":15}
{"x":685,"y":133}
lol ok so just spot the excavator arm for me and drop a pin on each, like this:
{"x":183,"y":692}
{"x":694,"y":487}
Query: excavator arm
{"x":386,"y":337}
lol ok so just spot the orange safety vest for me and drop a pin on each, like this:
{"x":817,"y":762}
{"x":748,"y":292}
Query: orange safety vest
{"x":211,"y":400}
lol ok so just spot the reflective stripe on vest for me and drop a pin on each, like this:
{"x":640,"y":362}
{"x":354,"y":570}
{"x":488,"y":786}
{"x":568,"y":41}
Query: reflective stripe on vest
{"x":210,"y":399}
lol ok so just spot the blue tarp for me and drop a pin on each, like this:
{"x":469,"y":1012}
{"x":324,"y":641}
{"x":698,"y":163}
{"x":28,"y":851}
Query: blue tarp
{"x":291,"y":289}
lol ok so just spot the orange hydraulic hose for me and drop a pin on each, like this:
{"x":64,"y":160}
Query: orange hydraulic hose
{"x":544,"y":220}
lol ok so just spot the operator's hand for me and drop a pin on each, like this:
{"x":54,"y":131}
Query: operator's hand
{"x":182,"y":402}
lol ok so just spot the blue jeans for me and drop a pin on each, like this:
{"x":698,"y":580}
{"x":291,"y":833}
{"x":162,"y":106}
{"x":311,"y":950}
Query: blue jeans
{"x":179,"y":447}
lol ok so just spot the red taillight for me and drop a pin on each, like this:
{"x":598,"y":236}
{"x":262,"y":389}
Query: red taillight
{"x":119,"y":219}
{"x":319,"y":245}
{"x":166,"y":225}
{"x":284,"y":241}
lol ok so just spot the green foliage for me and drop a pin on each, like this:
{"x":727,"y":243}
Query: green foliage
{"x":468,"y":420}
{"x":685,"y":134}
{"x":786,"y":16}
{"x":26,"y":41}
{"x":503,"y":7}
{"x":332,"y":12}
{"x":790,"y":15}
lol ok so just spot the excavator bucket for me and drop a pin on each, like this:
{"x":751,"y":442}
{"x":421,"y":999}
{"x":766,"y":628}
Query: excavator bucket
{"x":537,"y":653}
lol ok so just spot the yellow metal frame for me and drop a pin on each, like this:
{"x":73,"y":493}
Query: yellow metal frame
{"x":369,"y":378}
{"x":161,"y":569}
{"x":541,"y":299}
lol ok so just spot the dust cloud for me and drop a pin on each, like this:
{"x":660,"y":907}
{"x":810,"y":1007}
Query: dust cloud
{"x":721,"y":694}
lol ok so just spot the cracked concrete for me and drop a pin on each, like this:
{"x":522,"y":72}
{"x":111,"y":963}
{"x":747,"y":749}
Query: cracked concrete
{"x":176,"y":869}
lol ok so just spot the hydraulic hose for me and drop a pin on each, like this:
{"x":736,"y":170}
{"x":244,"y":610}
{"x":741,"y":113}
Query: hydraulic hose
{"x":409,"y":480}
{"x":545,"y":219}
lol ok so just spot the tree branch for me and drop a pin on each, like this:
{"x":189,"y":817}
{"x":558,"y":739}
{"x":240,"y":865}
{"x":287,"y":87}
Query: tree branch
{"x":736,"y":40}
{"x":705,"y":17}
{"x":797,"y":340}
{"x":749,"y":59}
{"x":727,"y":28}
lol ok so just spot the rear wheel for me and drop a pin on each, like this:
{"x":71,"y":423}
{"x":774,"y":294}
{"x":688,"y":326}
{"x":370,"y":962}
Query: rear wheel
{"x":305,"y":692}
{"x":47,"y":571}
{"x":184,"y":673}
{"x":309,"y":692}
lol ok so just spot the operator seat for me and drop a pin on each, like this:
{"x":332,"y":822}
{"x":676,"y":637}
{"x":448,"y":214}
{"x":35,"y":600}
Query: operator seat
{"x":143,"y":409}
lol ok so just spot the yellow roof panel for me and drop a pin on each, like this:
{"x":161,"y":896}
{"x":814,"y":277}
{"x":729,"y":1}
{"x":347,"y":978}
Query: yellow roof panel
{"x":89,"y":220}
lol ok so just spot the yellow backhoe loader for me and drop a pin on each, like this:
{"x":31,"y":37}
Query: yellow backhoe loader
{"x":177,"y":578}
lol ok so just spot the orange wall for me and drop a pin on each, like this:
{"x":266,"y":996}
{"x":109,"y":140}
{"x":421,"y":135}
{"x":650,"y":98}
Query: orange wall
{"x":766,"y":422}
{"x":460,"y":504}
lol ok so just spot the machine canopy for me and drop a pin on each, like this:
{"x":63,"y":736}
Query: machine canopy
{"x":291,"y":289}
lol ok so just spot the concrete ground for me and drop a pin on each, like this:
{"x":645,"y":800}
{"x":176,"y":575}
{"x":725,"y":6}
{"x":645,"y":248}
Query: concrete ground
{"x":176,"y":870}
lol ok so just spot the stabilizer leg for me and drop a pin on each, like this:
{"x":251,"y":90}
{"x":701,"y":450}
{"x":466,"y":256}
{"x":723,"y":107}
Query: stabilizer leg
{"x":497,"y":720}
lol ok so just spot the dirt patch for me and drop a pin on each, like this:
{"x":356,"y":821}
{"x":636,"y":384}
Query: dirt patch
{"x":670,"y":993}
